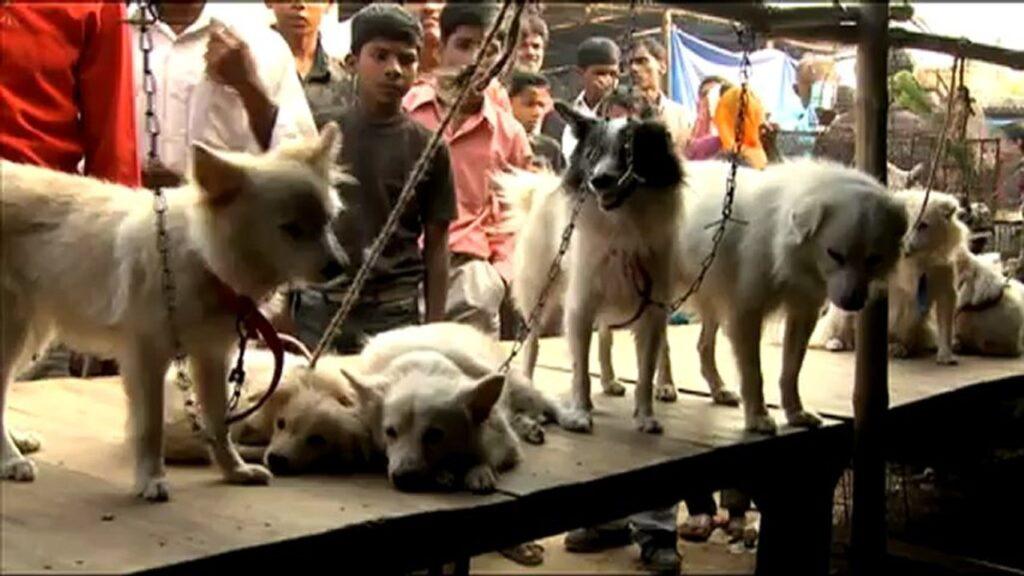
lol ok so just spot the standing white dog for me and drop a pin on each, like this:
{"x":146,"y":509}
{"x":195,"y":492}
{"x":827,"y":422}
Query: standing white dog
{"x":621,"y":259}
{"x":81,"y":261}
{"x":813,"y":230}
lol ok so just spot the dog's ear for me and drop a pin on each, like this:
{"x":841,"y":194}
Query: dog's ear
{"x":654,"y":156}
{"x":220,"y":179}
{"x":481,"y":397}
{"x":327,"y":148}
{"x":368,"y":389}
{"x":580,"y":124}
{"x":805,"y":219}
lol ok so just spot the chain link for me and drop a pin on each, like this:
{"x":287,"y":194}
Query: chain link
{"x":746,"y":39}
{"x":409,"y":189}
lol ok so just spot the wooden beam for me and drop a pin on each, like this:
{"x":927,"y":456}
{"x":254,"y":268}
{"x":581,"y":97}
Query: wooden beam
{"x":900,"y":38}
{"x":871,"y":377}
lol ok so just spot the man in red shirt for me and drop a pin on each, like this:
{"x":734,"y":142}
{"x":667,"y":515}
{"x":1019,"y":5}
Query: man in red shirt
{"x":66,"y":88}
{"x":66,"y":99}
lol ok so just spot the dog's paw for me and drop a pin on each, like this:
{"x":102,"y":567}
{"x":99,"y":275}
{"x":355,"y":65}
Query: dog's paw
{"x":249,"y":475}
{"x":725,"y":398}
{"x":762,"y":424}
{"x":803,"y":419}
{"x":648,"y":424}
{"x":27,"y":442}
{"x":19,"y":469}
{"x":481,"y":479}
{"x":836,"y":345}
{"x":945,"y":358}
{"x":529,"y":430}
{"x":154,"y":490}
{"x":577,"y":420}
{"x":612,"y":387}
{"x":666,"y":392}
{"x":898,"y":350}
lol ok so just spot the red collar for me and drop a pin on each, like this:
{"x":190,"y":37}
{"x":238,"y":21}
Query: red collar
{"x":255,"y":325}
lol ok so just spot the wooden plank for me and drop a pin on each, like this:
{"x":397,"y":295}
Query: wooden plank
{"x":900,"y":38}
{"x":826,"y":380}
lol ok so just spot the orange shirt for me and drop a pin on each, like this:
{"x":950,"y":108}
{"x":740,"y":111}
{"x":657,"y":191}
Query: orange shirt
{"x":66,"y":88}
{"x":490,"y":140}
{"x":726,"y":115}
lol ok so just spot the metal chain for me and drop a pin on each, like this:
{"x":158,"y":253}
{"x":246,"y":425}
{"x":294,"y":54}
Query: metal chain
{"x":746,"y":38}
{"x":408,"y":190}
{"x":554,"y":271}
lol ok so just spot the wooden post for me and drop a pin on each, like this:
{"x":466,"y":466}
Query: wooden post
{"x":666,"y":38}
{"x":871,"y":384}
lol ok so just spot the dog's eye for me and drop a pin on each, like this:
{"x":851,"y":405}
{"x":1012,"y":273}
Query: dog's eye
{"x":280,"y":423}
{"x":391,"y":433}
{"x":922,"y":226}
{"x":839,"y":259}
{"x":316,"y":441}
{"x":293,"y":230}
{"x":432,"y":436}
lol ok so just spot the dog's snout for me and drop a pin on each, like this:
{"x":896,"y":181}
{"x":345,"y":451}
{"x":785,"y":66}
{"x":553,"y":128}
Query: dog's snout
{"x":409,"y":480}
{"x":277,"y":463}
{"x":603,"y":181}
{"x":853,"y":300}
{"x":332,"y":269}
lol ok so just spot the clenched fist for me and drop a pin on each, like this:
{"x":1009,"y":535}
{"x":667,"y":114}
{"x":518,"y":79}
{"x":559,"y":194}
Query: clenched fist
{"x":228,"y":59}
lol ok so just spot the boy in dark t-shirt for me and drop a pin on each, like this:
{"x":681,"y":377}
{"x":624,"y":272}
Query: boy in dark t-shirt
{"x":380,"y":144}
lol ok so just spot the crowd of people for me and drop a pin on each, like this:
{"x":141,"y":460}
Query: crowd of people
{"x":86,"y":104}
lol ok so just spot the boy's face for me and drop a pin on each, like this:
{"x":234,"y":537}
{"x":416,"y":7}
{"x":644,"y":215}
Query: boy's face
{"x":386,"y":70}
{"x":599,"y":80}
{"x":530,"y":53}
{"x":460,"y":50}
{"x":297,"y":19}
{"x":529,"y":105}
{"x":646,"y":69}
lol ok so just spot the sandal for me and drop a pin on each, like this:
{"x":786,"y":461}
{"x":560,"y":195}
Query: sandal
{"x":697,"y":528}
{"x":526,"y":554}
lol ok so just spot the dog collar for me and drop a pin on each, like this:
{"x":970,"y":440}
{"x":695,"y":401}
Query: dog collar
{"x":251,"y":323}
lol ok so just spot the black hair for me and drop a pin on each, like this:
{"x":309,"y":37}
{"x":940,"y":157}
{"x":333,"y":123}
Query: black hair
{"x":456,"y":14}
{"x":522,"y":80}
{"x":595,"y":51}
{"x":654,"y":48}
{"x":385,"y":21}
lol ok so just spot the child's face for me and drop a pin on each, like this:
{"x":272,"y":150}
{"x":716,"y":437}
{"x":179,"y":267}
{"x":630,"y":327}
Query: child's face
{"x":646,"y":69}
{"x":297,"y":19}
{"x":529,"y":105}
{"x":530,"y":53}
{"x":599,"y":80}
{"x":461,"y":46}
{"x":386,"y":70}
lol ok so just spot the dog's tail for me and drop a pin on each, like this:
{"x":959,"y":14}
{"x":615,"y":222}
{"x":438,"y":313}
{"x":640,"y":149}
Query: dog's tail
{"x":519,"y":191}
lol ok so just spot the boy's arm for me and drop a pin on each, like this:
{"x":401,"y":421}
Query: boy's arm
{"x":436,"y":260}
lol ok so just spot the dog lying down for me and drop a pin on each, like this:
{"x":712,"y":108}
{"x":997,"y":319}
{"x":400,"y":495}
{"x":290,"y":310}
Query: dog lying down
{"x":921,"y":285}
{"x":441,"y":413}
{"x":81,"y":262}
{"x":312,"y":423}
{"x":989,"y":319}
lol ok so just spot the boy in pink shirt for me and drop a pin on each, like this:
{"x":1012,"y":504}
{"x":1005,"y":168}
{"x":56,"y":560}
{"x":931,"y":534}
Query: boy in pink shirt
{"x":482,"y":139}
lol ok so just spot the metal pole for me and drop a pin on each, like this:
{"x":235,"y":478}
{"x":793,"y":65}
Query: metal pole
{"x":871,"y":380}
{"x":666,"y":38}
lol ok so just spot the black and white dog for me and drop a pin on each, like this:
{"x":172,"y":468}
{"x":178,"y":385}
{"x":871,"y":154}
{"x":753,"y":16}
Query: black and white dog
{"x":620,"y":263}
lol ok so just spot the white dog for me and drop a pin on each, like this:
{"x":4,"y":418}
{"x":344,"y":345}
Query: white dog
{"x":813,"y":230}
{"x":312,"y":422}
{"x":81,"y":261}
{"x":442,"y":413}
{"x":619,"y":267}
{"x":922,"y":282}
{"x":990,"y":310}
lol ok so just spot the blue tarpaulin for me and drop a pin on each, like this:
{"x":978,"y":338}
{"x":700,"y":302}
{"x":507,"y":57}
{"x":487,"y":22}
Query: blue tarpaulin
{"x":772,"y":75}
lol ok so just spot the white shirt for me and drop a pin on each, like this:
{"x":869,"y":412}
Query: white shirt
{"x":190,"y":107}
{"x":568,"y":138}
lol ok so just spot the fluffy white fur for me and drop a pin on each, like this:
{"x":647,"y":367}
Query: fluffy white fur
{"x":596,"y":285}
{"x":931,"y":251}
{"x":441,"y":413}
{"x":81,"y":261}
{"x":814,"y":230}
{"x":990,"y":310}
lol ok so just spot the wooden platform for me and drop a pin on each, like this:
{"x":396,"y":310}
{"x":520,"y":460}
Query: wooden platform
{"x":78,"y":515}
